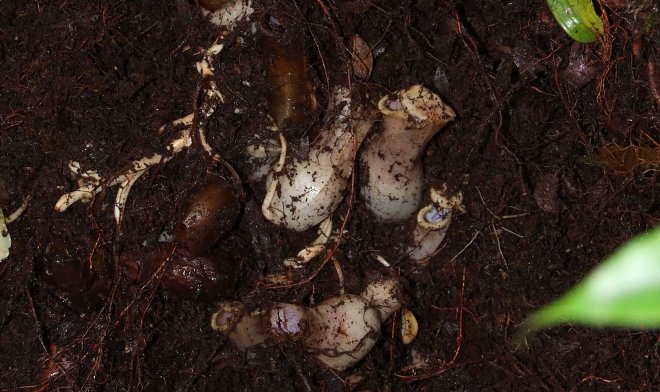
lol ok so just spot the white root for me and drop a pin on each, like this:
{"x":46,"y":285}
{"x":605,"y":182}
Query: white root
{"x":92,"y":183}
{"x":314,"y":249}
{"x":231,"y":13}
{"x":19,"y":211}
{"x":5,"y":238}
{"x":304,"y":256}
{"x":227,"y":17}
{"x":122,"y":195}
{"x":308,"y":191}
{"x":88,"y":177}
{"x":393,"y":158}
{"x":432,"y":223}
{"x":383,"y":261}
{"x":124,"y":180}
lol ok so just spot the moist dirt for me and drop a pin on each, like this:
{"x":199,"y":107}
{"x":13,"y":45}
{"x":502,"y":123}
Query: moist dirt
{"x":538,"y":150}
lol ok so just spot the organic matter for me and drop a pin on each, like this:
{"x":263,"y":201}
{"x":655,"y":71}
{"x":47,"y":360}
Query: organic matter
{"x":100,"y":85}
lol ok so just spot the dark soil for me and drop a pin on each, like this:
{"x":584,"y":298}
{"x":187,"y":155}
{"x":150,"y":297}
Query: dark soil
{"x":94,"y":81}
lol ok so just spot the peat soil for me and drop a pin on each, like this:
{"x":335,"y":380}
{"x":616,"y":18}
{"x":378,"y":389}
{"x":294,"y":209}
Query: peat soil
{"x":554,"y":148}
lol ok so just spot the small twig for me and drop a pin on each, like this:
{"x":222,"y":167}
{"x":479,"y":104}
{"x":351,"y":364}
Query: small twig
{"x":514,"y":216}
{"x":484,"y":203}
{"x":512,"y":232}
{"x":499,"y":246}
{"x":466,"y":246}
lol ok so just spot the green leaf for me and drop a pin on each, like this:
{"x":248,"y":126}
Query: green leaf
{"x":623,"y":291}
{"x":578,"y":19}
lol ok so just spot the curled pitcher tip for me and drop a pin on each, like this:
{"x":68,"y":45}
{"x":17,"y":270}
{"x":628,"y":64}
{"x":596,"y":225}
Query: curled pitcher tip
{"x":394,"y":178}
{"x":432,"y":223}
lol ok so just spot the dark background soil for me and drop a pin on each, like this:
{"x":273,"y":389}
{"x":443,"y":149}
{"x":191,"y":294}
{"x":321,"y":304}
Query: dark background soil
{"x":94,"y":81}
